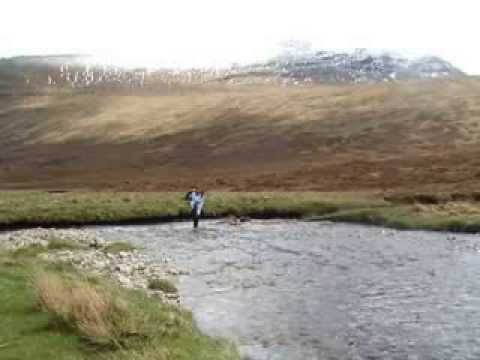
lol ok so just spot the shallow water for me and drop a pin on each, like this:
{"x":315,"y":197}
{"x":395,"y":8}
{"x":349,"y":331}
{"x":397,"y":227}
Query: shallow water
{"x":308,"y":290}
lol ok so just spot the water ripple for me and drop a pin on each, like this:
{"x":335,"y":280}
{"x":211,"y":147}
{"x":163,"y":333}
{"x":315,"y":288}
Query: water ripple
{"x":305,"y":290}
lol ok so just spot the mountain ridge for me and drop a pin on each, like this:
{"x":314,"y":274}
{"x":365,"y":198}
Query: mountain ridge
{"x":42,"y":72}
{"x":359,"y":66}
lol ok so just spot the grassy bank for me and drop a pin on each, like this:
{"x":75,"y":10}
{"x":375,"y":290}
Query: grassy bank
{"x":441,"y":211}
{"x":18,"y":208}
{"x":450,"y":216}
{"x":52,"y":312}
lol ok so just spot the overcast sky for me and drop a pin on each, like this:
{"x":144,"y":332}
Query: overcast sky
{"x":214,"y":32}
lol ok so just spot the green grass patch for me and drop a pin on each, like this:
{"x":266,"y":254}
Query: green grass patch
{"x":62,"y":244}
{"x":53,"y":244}
{"x":119,"y":246}
{"x":432,"y":217}
{"x":24,"y":208}
{"x":163,"y":285}
{"x":25,"y":332}
{"x":399,"y":210}
{"x":29,"y":251}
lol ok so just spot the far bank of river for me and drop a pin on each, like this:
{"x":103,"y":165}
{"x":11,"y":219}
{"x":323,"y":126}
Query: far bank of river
{"x":442,"y":212}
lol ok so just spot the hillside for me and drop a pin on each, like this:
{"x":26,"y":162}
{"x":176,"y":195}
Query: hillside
{"x":403,"y":135}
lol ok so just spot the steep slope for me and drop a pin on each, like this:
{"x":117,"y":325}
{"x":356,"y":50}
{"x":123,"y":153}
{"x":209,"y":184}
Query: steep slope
{"x":390,"y":135}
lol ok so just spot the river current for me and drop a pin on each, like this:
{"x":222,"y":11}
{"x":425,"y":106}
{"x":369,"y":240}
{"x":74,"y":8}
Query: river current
{"x":317,"y":290}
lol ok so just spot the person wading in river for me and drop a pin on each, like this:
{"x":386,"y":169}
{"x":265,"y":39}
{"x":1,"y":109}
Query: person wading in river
{"x":197,"y":200}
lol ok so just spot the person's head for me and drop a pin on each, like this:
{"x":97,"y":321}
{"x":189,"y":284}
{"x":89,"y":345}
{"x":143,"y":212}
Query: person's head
{"x":194,"y":189}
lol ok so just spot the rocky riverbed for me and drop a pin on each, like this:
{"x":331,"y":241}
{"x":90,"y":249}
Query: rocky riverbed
{"x":89,"y":252}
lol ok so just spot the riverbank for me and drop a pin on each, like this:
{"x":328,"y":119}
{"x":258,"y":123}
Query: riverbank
{"x":439,"y":211}
{"x":29,"y":209}
{"x":68,"y":294}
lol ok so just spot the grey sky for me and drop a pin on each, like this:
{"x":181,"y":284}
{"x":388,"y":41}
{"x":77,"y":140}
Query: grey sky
{"x":211,"y":32}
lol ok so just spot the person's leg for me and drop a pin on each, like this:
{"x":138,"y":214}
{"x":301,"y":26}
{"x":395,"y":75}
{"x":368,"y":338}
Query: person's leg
{"x":199,"y":214}
{"x":199,"y":210}
{"x":195,"y":216}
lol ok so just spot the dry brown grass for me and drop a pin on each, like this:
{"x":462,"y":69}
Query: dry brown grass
{"x":95,"y":314}
{"x":136,"y":117}
{"x":451,"y":209}
{"x":247,"y":138}
{"x":52,"y":293}
{"x":150,"y":353}
{"x":125,"y":324}
{"x":75,"y":317}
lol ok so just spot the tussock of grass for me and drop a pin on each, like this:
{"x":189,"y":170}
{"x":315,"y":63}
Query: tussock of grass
{"x":162,"y":284}
{"x":64,"y":267}
{"x":127,"y":322}
{"x":29,"y":251}
{"x":92,"y":313}
{"x":62,"y":244}
{"x":119,"y":246}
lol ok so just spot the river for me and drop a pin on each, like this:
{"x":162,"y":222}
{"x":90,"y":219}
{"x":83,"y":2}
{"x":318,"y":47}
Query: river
{"x":318,"y":290}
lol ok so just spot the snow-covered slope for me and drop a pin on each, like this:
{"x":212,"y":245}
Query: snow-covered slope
{"x":359,"y":66}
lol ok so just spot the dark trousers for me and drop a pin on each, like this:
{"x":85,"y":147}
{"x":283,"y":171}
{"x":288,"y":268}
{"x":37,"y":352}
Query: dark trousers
{"x":195,"y":216}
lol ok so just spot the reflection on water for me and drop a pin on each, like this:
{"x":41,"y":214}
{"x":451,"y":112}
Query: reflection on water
{"x":305,"y":290}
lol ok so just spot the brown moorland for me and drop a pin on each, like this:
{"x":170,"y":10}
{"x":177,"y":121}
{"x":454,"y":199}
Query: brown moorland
{"x":415,"y":135}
